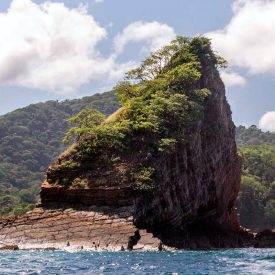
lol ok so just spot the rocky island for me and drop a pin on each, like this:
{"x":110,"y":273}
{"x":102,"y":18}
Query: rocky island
{"x":162,"y":172}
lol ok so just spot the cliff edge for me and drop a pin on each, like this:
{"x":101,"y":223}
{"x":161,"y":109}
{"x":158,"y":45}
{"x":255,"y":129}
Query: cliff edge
{"x":163,"y":170}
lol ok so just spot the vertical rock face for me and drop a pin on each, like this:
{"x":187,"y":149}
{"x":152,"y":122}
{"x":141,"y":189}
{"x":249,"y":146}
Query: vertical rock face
{"x":200,"y":182}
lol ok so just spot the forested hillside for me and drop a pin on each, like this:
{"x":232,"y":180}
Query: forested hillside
{"x":253,"y":136}
{"x":256,"y":202}
{"x":30,"y":138}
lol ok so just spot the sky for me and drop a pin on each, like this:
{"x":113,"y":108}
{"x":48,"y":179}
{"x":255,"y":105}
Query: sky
{"x":69,"y":49}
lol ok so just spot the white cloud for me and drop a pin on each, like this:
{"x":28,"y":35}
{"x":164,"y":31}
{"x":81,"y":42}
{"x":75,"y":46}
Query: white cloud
{"x":153,"y":34}
{"x":267,"y":122}
{"x":248,"y":40}
{"x":232,"y":79}
{"x":98,"y":1}
{"x":49,"y":46}
{"x":52,"y":47}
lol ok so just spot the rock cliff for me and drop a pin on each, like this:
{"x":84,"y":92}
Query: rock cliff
{"x":201,"y":180}
{"x":170,"y":157}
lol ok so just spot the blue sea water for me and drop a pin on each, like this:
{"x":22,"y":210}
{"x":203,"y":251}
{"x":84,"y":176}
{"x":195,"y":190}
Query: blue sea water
{"x":231,"y":261}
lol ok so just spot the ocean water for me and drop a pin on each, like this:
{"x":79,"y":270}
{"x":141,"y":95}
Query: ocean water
{"x":231,"y":261}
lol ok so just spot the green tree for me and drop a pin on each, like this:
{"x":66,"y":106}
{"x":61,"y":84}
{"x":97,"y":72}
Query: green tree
{"x":85,"y":121}
{"x":270,"y":211}
{"x":251,"y":202}
{"x":255,"y":200}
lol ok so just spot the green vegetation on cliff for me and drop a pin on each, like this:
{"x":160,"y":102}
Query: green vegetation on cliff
{"x":30,"y":138}
{"x":256,"y":202}
{"x":161,"y":101}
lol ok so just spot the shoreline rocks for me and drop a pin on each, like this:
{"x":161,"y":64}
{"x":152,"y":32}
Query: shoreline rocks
{"x":89,"y":228}
{"x":110,"y":229}
{"x":9,"y":247}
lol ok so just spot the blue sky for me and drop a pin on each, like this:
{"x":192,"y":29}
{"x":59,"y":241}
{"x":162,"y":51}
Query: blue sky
{"x":50,"y":51}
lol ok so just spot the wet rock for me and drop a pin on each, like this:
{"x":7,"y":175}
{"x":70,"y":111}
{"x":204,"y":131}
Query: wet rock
{"x":265,"y":238}
{"x":265,"y":234}
{"x":9,"y":247}
{"x":106,"y":230}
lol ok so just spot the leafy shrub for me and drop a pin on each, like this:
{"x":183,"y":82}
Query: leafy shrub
{"x":144,"y":179}
{"x":80,"y":183}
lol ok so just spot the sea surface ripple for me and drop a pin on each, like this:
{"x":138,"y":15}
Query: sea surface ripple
{"x":229,"y":261}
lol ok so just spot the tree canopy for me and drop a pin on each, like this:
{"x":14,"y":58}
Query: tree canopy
{"x":256,"y":198}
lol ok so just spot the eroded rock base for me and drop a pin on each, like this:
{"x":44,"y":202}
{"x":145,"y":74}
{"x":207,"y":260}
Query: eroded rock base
{"x":106,"y":228}
{"x":89,"y":228}
{"x":204,"y":235}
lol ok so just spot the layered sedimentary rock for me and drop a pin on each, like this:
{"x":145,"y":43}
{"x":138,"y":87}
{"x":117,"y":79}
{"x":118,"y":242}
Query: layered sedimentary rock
{"x":108,"y":196}
{"x":93,"y":228}
{"x":192,"y":204}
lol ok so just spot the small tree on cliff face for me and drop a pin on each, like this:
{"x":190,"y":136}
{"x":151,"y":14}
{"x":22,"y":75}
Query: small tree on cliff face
{"x":158,"y":62}
{"x":85,"y":122}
